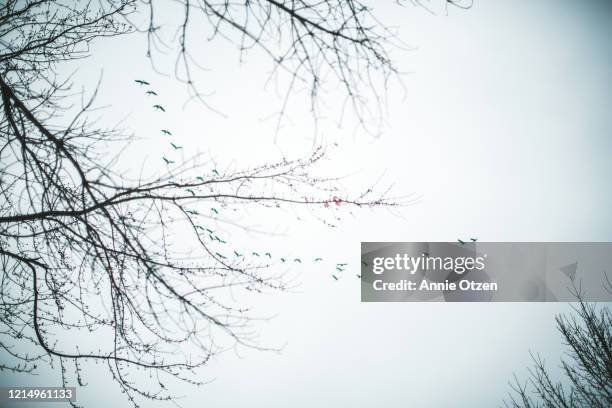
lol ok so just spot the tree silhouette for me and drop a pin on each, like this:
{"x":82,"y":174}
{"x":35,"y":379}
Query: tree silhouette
{"x":91,"y":269}
{"x":587,"y":370}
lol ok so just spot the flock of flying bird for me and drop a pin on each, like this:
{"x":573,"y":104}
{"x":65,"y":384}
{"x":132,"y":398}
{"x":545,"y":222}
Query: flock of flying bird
{"x":340,"y":267}
{"x":461,"y":242}
{"x":160,"y":108}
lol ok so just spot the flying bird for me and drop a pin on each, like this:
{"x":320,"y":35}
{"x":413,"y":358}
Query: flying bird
{"x":473,"y":239}
{"x":283,"y":260}
{"x":141,"y":82}
{"x":335,"y":277}
{"x":215,"y":172}
{"x":167,"y":161}
{"x":364,"y":263}
{"x":297,"y":260}
{"x":268,"y":255}
{"x":166,"y":132}
{"x":159,"y":107}
{"x":254,"y":253}
{"x":358,"y":276}
{"x":215,"y":210}
{"x":236,"y":253}
{"x":461,"y":242}
{"x":318,"y":259}
{"x":175,"y":146}
{"x":339,"y":269}
{"x":149,"y":92}
{"x":191,"y":191}
{"x":220,"y":256}
{"x":200,"y":178}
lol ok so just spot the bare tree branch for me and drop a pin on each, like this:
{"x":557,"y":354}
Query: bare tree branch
{"x":587,"y":381}
{"x":91,"y":265}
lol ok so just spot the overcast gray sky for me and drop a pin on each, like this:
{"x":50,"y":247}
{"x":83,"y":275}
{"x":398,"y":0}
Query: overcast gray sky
{"x":504,"y":133}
